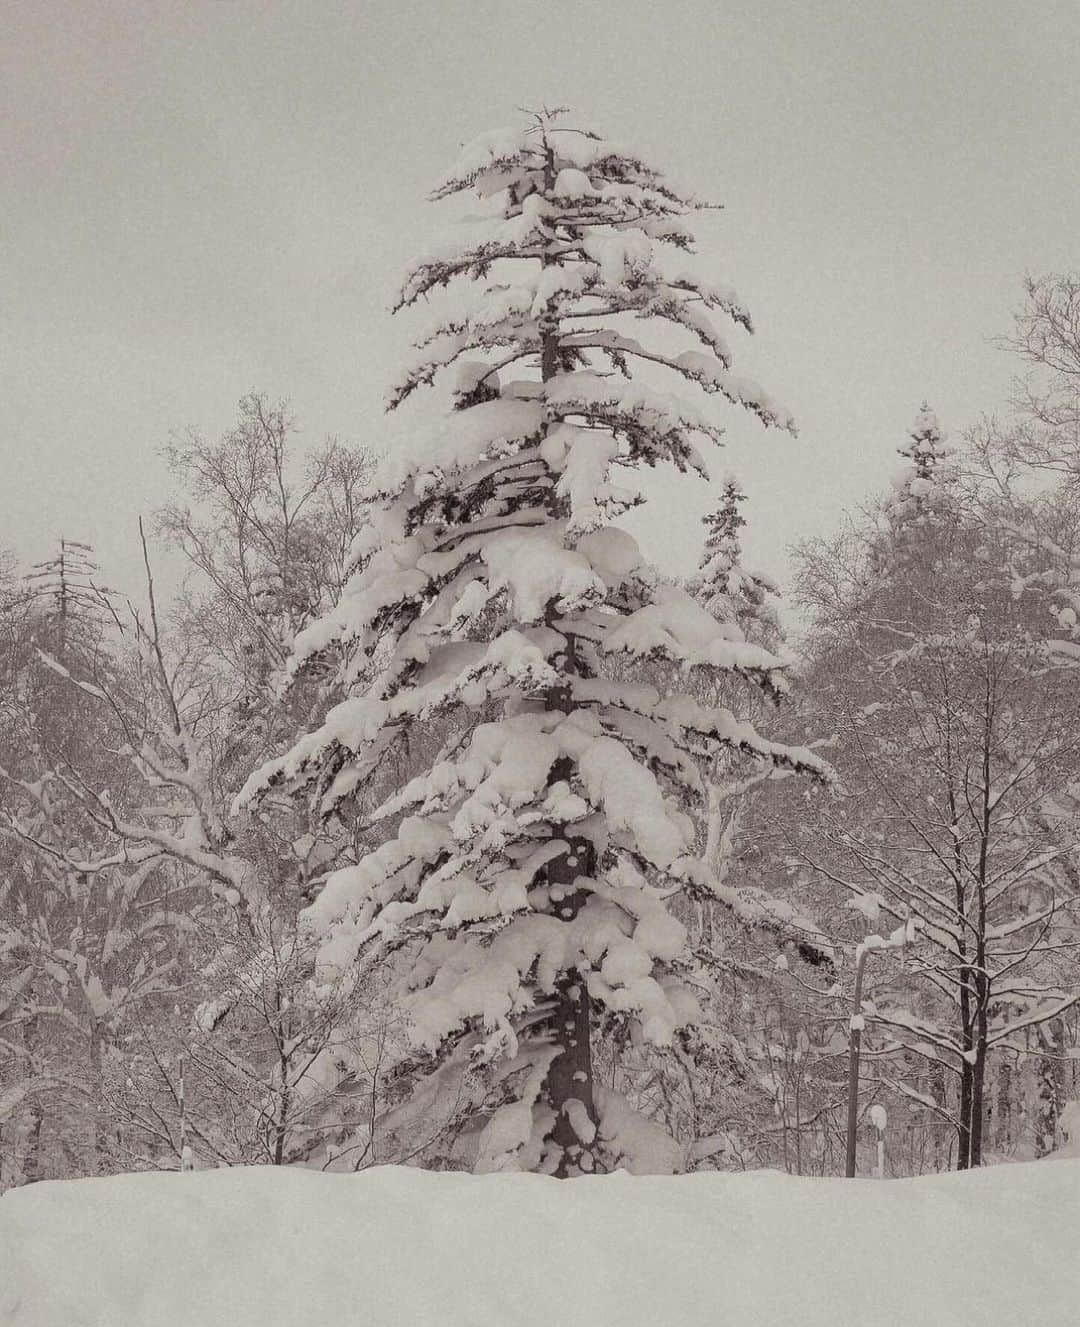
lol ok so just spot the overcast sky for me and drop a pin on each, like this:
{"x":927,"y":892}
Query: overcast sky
{"x":205,"y":198}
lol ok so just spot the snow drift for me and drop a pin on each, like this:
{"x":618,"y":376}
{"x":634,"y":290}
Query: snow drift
{"x":283,"y":1248}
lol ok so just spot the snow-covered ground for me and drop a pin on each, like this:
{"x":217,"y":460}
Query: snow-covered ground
{"x":285,"y":1248}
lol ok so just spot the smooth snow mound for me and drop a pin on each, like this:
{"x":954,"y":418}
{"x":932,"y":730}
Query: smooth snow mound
{"x":283,"y":1248}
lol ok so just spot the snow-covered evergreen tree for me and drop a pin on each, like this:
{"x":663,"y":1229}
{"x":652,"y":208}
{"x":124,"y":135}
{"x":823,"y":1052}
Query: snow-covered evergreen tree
{"x":525,"y":874}
{"x":923,"y":486}
{"x":727,"y":588}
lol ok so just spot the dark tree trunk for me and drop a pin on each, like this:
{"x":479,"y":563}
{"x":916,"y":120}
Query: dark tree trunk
{"x":32,"y":1164}
{"x":978,"y":1076}
{"x":982,"y":980}
{"x":570,"y":1078}
{"x":963,"y":1141}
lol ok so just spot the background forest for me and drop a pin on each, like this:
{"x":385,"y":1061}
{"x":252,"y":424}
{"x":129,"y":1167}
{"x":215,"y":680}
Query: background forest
{"x":268,"y":878}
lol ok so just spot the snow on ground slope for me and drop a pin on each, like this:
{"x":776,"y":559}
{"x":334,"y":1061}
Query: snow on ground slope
{"x":286,"y":1248}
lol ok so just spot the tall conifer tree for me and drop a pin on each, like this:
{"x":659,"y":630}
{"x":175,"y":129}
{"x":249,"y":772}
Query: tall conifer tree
{"x":526,"y":874}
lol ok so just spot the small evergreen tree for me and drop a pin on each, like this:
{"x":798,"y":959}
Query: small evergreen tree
{"x":525,"y":874}
{"x":725,"y":587}
{"x":922,"y":487}
{"x":74,"y":607}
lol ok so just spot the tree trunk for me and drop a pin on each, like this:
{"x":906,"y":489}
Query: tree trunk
{"x":97,"y":1088}
{"x":982,"y":980}
{"x":963,"y":1128}
{"x":570,"y":1078}
{"x":1003,"y":1133}
{"x":963,"y":1142}
{"x":569,"y":1083}
{"x":1051,"y":1085}
{"x":978,"y":1091}
{"x":282,"y":1030}
{"x":31,"y":1166}
{"x":940,"y":1093}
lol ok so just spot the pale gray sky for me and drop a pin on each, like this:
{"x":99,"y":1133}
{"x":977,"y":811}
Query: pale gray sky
{"x":209,"y":197}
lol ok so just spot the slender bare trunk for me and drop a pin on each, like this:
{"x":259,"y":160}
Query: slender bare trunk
{"x":1051,"y":1039}
{"x":284,"y":1097}
{"x":97,"y":1090}
{"x":1003,"y":1129}
{"x":963,"y":1128}
{"x":31,"y":1166}
{"x":940,"y":1093}
{"x":978,"y":1075}
{"x":980,"y":974}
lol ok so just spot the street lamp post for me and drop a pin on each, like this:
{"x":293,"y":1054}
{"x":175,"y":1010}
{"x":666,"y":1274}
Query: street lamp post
{"x":855,"y":1026}
{"x":897,"y":940}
